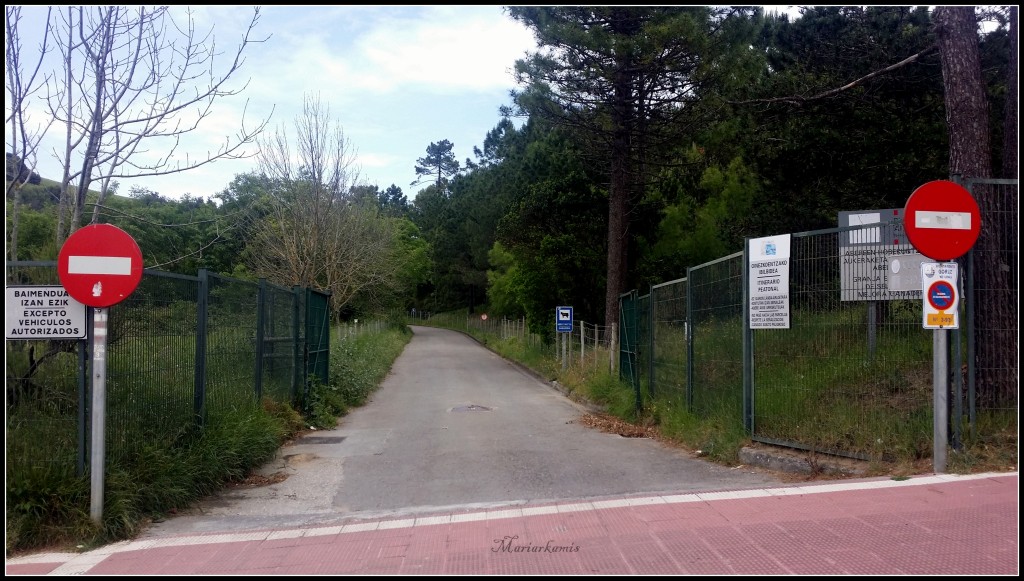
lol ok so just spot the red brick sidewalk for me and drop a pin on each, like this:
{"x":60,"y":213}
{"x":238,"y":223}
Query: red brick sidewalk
{"x":939,"y":525}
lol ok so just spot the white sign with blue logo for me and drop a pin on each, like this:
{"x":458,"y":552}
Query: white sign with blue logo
{"x":769,"y":282}
{"x":563,"y":319}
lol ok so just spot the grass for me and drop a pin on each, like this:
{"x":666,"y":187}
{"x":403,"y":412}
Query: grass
{"x":159,"y":460}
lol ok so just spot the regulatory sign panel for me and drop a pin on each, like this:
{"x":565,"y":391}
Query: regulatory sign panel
{"x":100,"y":265}
{"x":941,"y":299}
{"x":942,"y":220}
{"x":43,"y":312}
{"x":563,"y":319}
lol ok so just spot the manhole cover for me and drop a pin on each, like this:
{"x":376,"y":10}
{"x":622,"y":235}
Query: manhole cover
{"x":471,"y":408}
{"x":322,"y":439}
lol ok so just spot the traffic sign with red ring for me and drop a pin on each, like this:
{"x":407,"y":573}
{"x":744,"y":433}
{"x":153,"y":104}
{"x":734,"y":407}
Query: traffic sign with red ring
{"x":941,"y":295}
{"x":100,"y":265}
{"x":942,"y":220}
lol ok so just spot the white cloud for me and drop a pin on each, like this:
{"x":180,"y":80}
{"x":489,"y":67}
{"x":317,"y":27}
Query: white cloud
{"x":397,"y":78}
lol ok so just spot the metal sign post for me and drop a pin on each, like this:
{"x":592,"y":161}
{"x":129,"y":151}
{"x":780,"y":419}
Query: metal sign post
{"x":943,"y":222}
{"x":99,"y":413}
{"x":99,"y":266}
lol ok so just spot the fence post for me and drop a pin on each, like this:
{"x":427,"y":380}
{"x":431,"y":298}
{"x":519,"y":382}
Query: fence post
{"x":261,"y":298}
{"x":650,"y":329}
{"x":202,"y":308}
{"x":748,"y":345}
{"x":688,"y":331}
{"x":296,"y":361}
{"x":583,"y":343}
{"x":611,"y":347}
{"x":83,"y":397}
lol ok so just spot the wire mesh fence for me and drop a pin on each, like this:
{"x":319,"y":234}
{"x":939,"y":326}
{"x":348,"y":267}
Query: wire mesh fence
{"x":993,"y":298}
{"x":179,"y":348}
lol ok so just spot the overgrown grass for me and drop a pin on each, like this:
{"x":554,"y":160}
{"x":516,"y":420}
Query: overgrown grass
{"x":48,"y":505}
{"x":160,"y":467}
{"x":358,"y":365}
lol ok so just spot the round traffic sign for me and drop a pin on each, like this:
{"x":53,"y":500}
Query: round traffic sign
{"x":99,"y":265}
{"x":942,"y":220}
{"x":941,"y":295}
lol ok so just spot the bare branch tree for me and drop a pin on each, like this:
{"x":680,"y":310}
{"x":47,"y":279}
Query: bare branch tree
{"x":312,"y":232}
{"x":23,"y":136}
{"x":134,"y":83}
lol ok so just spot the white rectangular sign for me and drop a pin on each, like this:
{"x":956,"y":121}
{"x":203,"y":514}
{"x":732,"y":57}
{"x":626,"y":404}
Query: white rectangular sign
{"x":769,"y":282}
{"x":100,"y":265}
{"x":43,"y":312}
{"x":943,"y":220}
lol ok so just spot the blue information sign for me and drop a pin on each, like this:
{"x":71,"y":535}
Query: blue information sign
{"x":563,"y":319}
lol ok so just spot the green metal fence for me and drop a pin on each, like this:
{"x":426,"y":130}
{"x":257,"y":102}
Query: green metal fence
{"x":992,"y":300}
{"x":852,"y":375}
{"x":179,"y":349}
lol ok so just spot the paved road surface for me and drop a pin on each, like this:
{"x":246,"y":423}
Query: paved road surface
{"x":454,"y":424}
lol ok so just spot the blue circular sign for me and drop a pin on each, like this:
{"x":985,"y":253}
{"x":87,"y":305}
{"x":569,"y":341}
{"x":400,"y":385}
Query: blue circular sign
{"x":941,"y":295}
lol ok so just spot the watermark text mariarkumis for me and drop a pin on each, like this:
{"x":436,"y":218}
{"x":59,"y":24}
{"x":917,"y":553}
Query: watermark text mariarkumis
{"x":511,"y":544}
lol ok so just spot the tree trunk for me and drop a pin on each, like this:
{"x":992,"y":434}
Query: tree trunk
{"x":1010,"y":121}
{"x":970,"y":156}
{"x":618,"y":195}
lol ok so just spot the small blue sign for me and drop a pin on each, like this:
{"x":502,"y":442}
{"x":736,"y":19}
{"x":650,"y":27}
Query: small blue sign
{"x":563,"y":319}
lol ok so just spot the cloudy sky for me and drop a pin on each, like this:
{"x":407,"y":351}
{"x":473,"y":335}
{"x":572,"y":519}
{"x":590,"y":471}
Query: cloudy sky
{"x":396,"y":78}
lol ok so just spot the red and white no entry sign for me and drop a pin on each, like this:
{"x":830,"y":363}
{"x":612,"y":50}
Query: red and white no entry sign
{"x":100,"y":265}
{"x":942,"y":220}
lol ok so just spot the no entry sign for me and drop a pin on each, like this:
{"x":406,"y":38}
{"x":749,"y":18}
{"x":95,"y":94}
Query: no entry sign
{"x":942,"y":220}
{"x":100,"y":265}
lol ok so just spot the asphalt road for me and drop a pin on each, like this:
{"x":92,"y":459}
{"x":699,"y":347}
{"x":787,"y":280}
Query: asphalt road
{"x":453,"y":427}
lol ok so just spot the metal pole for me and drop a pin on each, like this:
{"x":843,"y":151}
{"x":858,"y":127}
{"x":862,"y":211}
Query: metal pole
{"x":99,"y":411}
{"x":612,"y":340}
{"x":583,"y":342}
{"x":940,"y":385}
{"x":872,"y":328}
{"x":565,"y":350}
{"x":83,"y":402}
{"x":261,"y":299}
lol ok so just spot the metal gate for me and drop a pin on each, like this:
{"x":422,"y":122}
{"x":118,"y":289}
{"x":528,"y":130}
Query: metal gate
{"x":318,"y":335}
{"x":628,"y":339}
